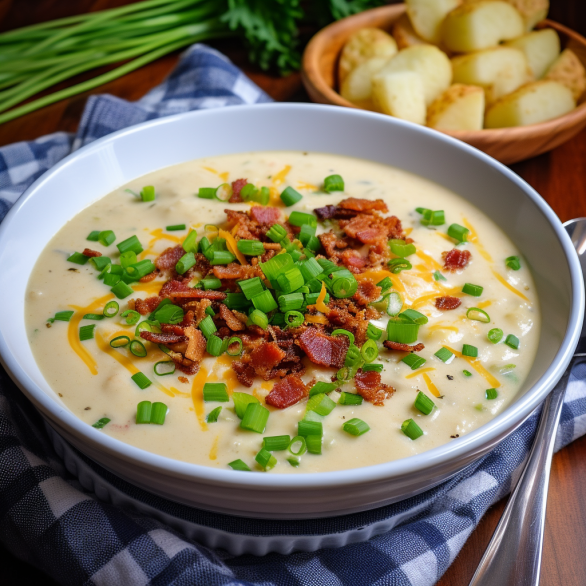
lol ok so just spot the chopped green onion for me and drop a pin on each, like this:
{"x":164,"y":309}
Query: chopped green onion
{"x":477,"y":314}
{"x":122,"y":290}
{"x":411,"y":429}
{"x":141,"y":380}
{"x":399,"y":264}
{"x":356,"y":427}
{"x":119,"y":341}
{"x":185,"y":263}
{"x":492,"y":394}
{"x":127,"y":258}
{"x":239,"y":465}
{"x":143,"y":412}
{"x":105,"y":271}
{"x":512,"y":342}
{"x":61,"y":316}
{"x":276,"y":443}
{"x":207,"y":326}
{"x":143,"y":325}
{"x":255,"y":418}
{"x":132,"y":317}
{"x":276,"y":266}
{"x":306,"y":233}
{"x":291,"y":448}
{"x":266,"y":460}
{"x":422,"y":210}
{"x":241,"y":401}
{"x":106,"y":237}
{"x":402,"y":331}
{"x":294,"y":319}
{"x":175,"y":227}
{"x":495,"y":335}
{"x":290,"y":280}
{"x":310,"y":269}
{"x":374,"y":367}
{"x":251,"y":247}
{"x":301,"y":219}
{"x":111,"y":309}
{"x":322,"y":387}
{"x":251,"y":287}
{"x":86,"y":332}
{"x":369,"y":351}
{"x":158,"y":413}
{"x":100,"y":423}
{"x":341,"y":332}
{"x":290,"y":196}
{"x":413,"y":361}
{"x":466,"y":373}
{"x":438,"y":276}
{"x":373,"y":333}
{"x":190,"y":242}
{"x":132,"y":244}
{"x":313,"y":245}
{"x":347,"y":373}
{"x":313,"y":443}
{"x":444,"y":355}
{"x":221,"y":257}
{"x":141,"y":269}
{"x":100,"y":262}
{"x":204,"y":244}
{"x":414,"y":316}
{"x":111,"y":279}
{"x":137,"y":348}
{"x":236,"y":301}
{"x":474,"y":290}
{"x":395,"y":304}
{"x":78,"y":258}
{"x":459,"y":233}
{"x":249,"y":192}
{"x":513,"y":262}
{"x":291,"y":301}
{"x":401,"y":249}
{"x":264,"y":302}
{"x":423,"y":403}
{"x":213,"y":415}
{"x":94,"y":316}
{"x":343,"y":284}
{"x":168,"y":314}
{"x":211,"y":283}
{"x":321,"y":404}
{"x":206,"y":192}
{"x":469,"y":350}
{"x":350,"y":399}
{"x":333,"y":183}
{"x":234,"y":340}
{"x":276,"y":233}
{"x":433,"y":218}
{"x":385,"y":285}
{"x":259,"y":318}
{"x":215,"y":392}
{"x":93,"y":236}
{"x":164,"y":367}
{"x":353,"y":356}
{"x":214,"y":346}
{"x":223,"y":192}
{"x":306,"y":428}
{"x":148,"y":193}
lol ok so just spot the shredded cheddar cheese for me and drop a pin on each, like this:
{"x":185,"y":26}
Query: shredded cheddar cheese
{"x":420,"y":371}
{"x":477,"y":366}
{"x":319,"y":304}
{"x":510,"y":287}
{"x":473,"y":237}
{"x":432,"y":388}
{"x":233,"y":246}
{"x":316,"y":319}
{"x":214,"y":450}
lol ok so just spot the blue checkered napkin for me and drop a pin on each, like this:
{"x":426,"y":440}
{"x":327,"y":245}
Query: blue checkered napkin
{"x":48,"y":520}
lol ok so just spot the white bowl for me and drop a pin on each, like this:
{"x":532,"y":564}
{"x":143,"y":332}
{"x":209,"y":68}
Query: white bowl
{"x":103,"y":166}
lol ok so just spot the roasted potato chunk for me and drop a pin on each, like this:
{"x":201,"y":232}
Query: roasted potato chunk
{"x":532,"y":11}
{"x":541,"y":48}
{"x":426,"y":16}
{"x":480,"y":25}
{"x":535,"y":102}
{"x":400,"y":94}
{"x":429,"y":62}
{"x":404,"y":33}
{"x":568,"y":70}
{"x":460,"y":107}
{"x":365,"y":44}
{"x":357,"y":87}
{"x":499,"y":71}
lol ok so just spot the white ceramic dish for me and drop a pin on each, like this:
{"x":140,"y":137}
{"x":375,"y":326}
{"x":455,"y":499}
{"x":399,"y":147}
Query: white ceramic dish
{"x":112,"y":161}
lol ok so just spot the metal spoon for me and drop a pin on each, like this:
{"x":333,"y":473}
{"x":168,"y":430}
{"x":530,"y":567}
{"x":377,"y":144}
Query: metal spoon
{"x":513,"y":556}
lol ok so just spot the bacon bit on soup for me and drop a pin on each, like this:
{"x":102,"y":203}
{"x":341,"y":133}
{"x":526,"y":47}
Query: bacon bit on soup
{"x":287,"y":392}
{"x":403,"y":347}
{"x":367,"y":292}
{"x":169,"y":258}
{"x":148,"y":305}
{"x":183,"y":379}
{"x":456,"y":259}
{"x":370,"y":229}
{"x":266,"y":357}
{"x":447,"y":302}
{"x":231,"y":320}
{"x":91,"y":253}
{"x":236,"y":189}
{"x":265,"y":215}
{"x":180,"y":289}
{"x":244,"y":373}
{"x":196,"y":345}
{"x":322,"y":349}
{"x":150,"y":277}
{"x":237,"y":271}
{"x":162,"y":338}
{"x":370,"y":387}
{"x":363,"y":205}
{"x":331,"y":212}
{"x":354,"y":261}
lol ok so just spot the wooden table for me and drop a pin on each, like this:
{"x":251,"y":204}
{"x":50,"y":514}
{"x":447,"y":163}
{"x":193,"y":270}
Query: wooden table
{"x":559,"y":176}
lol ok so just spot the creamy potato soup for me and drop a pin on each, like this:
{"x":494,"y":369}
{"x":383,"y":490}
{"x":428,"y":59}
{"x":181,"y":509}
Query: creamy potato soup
{"x":366,"y":313}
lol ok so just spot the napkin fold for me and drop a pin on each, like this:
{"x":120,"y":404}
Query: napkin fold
{"x":48,"y":520}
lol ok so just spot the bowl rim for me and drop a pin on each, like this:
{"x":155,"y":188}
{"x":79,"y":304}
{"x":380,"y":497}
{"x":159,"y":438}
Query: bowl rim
{"x":311,"y":76}
{"x":492,"y":431}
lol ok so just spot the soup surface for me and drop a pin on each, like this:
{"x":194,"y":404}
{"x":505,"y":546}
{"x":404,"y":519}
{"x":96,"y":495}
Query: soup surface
{"x":419,"y":400}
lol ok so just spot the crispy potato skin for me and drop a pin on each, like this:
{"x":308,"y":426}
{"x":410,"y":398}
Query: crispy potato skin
{"x":568,"y":70}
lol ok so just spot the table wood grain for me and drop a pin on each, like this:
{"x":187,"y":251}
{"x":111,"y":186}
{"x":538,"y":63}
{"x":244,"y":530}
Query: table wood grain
{"x":559,"y":176}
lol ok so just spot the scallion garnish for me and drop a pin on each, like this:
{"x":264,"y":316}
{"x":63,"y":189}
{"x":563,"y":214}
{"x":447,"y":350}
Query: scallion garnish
{"x":477,"y":314}
{"x":385,"y":285}
{"x":121,"y":290}
{"x":190,"y":243}
{"x":353,"y":356}
{"x":143,"y":325}
{"x":322,"y":387}
{"x":128,"y":258}
{"x":512,"y":342}
{"x":255,"y":418}
{"x":401,"y":330}
{"x":213,"y":415}
{"x":259,"y":318}
{"x":206,"y":192}
{"x":469,"y":350}
{"x":221,"y":257}
{"x":474,"y":290}
{"x":100,"y":423}
{"x":343,"y":284}
{"x":264,"y":302}
{"x":250,"y":247}
{"x":130,"y":244}
{"x":215,"y":392}
{"x":175,"y":227}
{"x":111,"y":309}
{"x":143,"y":412}
{"x":411,"y":429}
{"x":185,"y":263}
{"x":342,"y":332}
{"x":294,"y":319}
{"x":78,"y":258}
{"x":111,"y":279}
{"x":147,"y":193}
{"x":413,"y":361}
{"x":215,"y":346}
{"x":140,"y":269}
{"x":513,"y":262}
{"x":241,"y":401}
{"x":141,"y":379}
{"x":291,"y":301}
{"x":314,"y":443}
{"x":495,"y":335}
{"x":373,"y":333}
{"x":230,"y":350}
{"x":459,"y":233}
{"x":106,"y":237}
{"x":333,"y":183}
{"x":438,"y":276}
{"x":164,"y":367}
{"x":433,"y":218}
{"x":290,"y":280}
{"x":492,"y":394}
{"x":137,"y":348}
{"x":300,"y":219}
{"x":374,"y":367}
{"x":158,"y":413}
{"x":211,"y":283}
{"x":399,"y":264}
{"x":290,"y":196}
{"x":276,"y":233}
{"x":350,"y":399}
{"x":415,"y":316}
{"x":355,"y":426}
{"x":306,"y":428}
{"x":239,"y":465}
{"x":251,"y":287}
{"x":466,"y":373}
{"x":61,"y":316}
{"x":94,"y":316}
{"x":276,"y":443}
{"x":444,"y":355}
{"x":207,"y":326}
{"x":297,"y":446}
{"x":395,"y":304}
{"x":423,"y":403}
{"x":236,"y":301}
{"x":369,"y":351}
{"x":401,"y":249}
{"x":168,"y":314}
{"x":320,"y":404}
{"x":86,"y":332}
{"x":306,"y":233}
{"x":93,"y":236}
{"x":100,"y":262}
{"x":266,"y":460}
{"x":119,"y":341}
{"x":131,"y":316}
{"x":276,"y":266}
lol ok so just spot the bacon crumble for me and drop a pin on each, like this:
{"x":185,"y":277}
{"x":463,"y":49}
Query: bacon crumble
{"x":403,"y":347}
{"x":447,"y":302}
{"x":456,"y":259}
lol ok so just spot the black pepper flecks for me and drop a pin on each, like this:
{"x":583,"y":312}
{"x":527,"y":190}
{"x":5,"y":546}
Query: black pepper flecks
{"x":450,"y":377}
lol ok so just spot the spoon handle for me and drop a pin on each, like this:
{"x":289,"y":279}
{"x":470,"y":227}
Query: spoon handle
{"x":513,"y":556}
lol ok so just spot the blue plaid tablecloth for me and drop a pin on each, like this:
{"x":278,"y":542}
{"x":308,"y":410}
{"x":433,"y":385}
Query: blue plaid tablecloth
{"x":48,"y":520}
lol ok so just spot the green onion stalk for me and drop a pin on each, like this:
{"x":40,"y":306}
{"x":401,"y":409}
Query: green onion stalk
{"x":36,"y":57}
